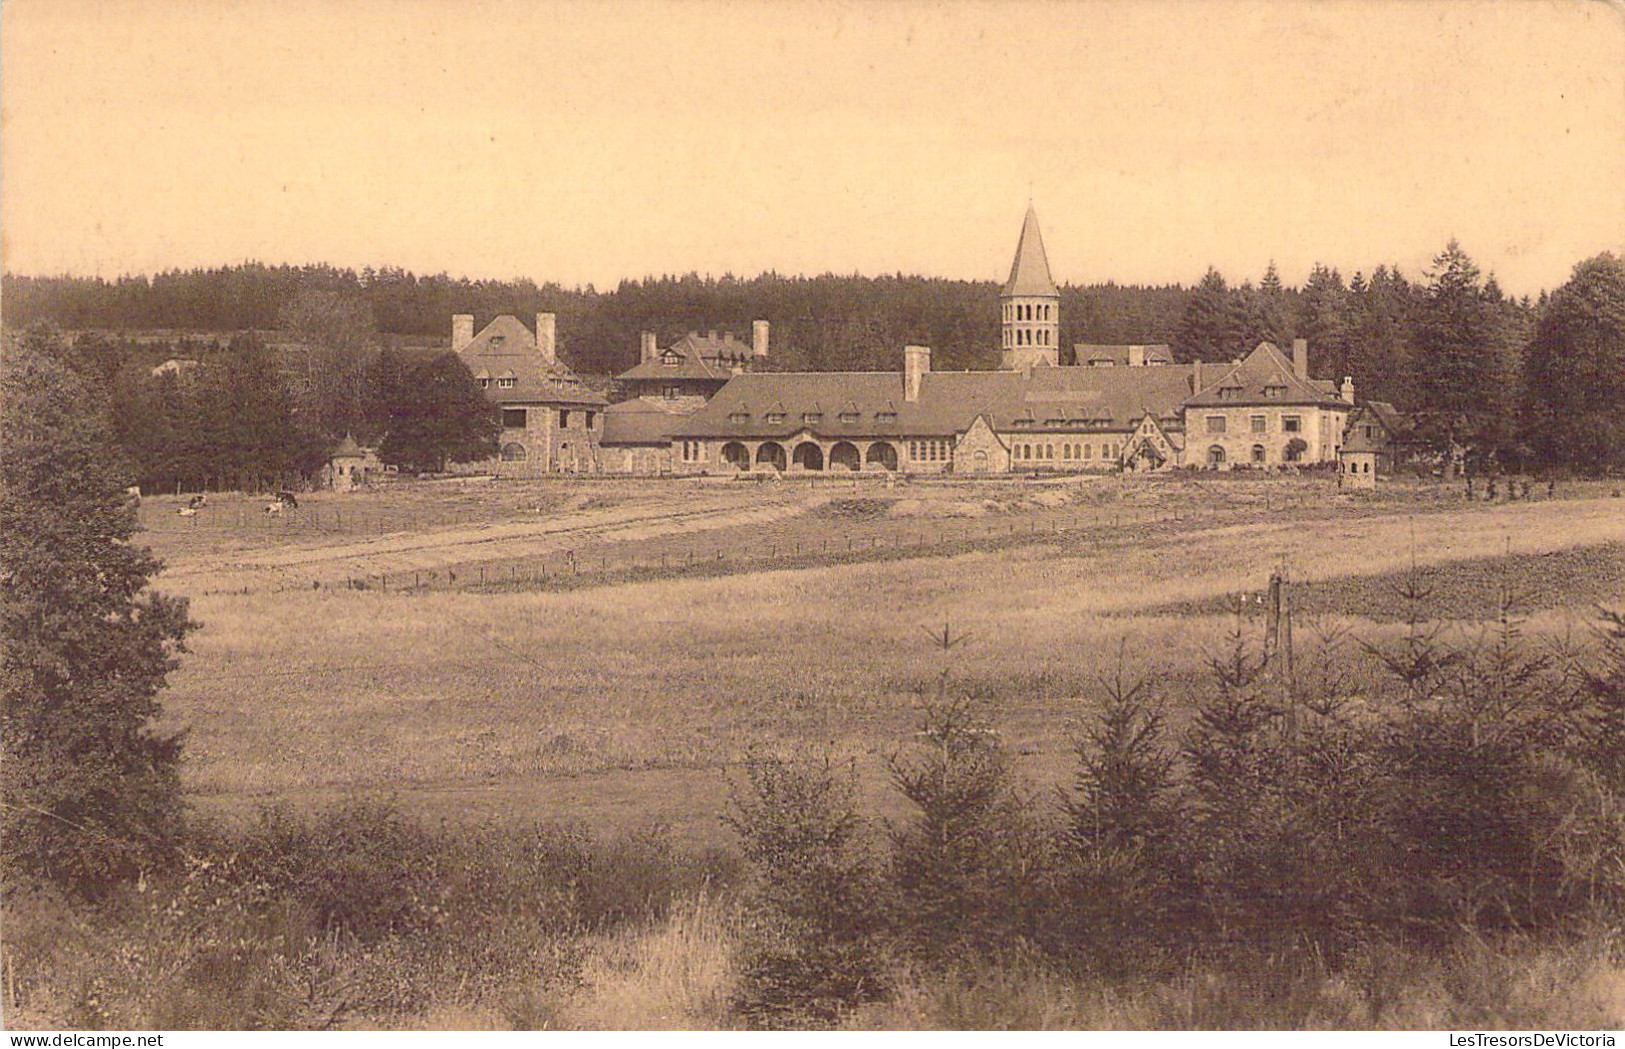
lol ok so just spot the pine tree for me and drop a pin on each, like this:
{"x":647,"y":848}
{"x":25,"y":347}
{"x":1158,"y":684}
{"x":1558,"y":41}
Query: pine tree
{"x":1205,"y":330}
{"x":1466,"y":364}
{"x":91,"y":789}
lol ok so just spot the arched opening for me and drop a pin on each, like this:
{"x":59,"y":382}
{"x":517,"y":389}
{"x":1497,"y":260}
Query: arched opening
{"x":845,"y":455}
{"x":881,"y":453}
{"x":1258,"y":454}
{"x":980,"y":460}
{"x":736,"y":455}
{"x":513,"y":452}
{"x":1215,"y":456}
{"x":808,"y":456}
{"x":771,"y":453}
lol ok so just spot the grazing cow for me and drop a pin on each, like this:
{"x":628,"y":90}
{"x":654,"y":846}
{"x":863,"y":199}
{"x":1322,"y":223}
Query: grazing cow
{"x":273,"y":509}
{"x":187,"y":511}
{"x":287,"y":499}
{"x":197,"y":502}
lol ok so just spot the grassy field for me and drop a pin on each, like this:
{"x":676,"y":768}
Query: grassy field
{"x":625,"y":702}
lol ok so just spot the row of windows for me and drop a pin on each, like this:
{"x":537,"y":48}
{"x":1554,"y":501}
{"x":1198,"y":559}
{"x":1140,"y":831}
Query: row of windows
{"x":933,"y":451}
{"x":1259,"y":455}
{"x":1028,"y":311}
{"x":1233,"y":393}
{"x":810,"y":418}
{"x":1024,"y":337}
{"x":1257,"y":424}
{"x":504,"y":383}
{"x":519,"y":418}
{"x":692,"y":451}
{"x":1069,"y":452}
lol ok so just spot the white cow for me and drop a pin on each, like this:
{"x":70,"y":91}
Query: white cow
{"x":273,"y":509}
{"x":187,"y":511}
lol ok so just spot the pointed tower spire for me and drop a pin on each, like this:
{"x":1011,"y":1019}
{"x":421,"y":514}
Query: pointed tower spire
{"x":1030,"y":304}
{"x":1029,"y":273}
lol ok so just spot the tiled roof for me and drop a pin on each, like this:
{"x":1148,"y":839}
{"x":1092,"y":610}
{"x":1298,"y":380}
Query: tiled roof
{"x":506,"y":349}
{"x":1358,"y":442}
{"x":1250,"y":381}
{"x":1029,"y":273}
{"x":642,"y":420}
{"x":348,"y":449}
{"x":699,"y":357}
{"x":1102,"y":353}
{"x":778,"y":404}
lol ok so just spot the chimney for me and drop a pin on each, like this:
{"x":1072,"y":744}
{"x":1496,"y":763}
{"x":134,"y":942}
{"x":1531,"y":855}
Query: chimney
{"x":1348,"y":389}
{"x":1300,"y":357}
{"x":1196,"y":377}
{"x":713,"y":335}
{"x":547,"y":337}
{"x":916,"y":362}
{"x":1136,"y":356}
{"x":462,"y":331}
{"x":647,"y":350}
{"x":758,"y":340}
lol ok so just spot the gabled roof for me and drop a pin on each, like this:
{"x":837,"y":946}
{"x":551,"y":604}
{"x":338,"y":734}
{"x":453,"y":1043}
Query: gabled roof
{"x":1029,"y":273}
{"x":700,"y":357}
{"x":1266,"y":368}
{"x":505,"y":348}
{"x":949,"y":402}
{"x":348,"y":449}
{"x":1358,"y":442}
{"x":643,"y":420}
{"x":1386,"y":414}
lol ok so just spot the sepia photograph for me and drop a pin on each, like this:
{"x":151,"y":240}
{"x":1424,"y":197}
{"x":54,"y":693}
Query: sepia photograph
{"x":812,"y":516}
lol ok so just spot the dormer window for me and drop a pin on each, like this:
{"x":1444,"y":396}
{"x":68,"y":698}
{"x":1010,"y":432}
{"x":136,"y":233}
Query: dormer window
{"x":812,"y":417}
{"x":505,"y":383}
{"x":1021,"y":422}
{"x":485,"y":382}
{"x":775,"y":418}
{"x":885,"y":417}
{"x":849,"y":417}
{"x":739,"y":417}
{"x":1230,"y":393}
{"x":497,"y":341}
{"x":1275,"y":391}
{"x":670,"y":360}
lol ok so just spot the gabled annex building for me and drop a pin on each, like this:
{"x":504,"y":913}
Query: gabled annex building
{"x":1119,"y":407}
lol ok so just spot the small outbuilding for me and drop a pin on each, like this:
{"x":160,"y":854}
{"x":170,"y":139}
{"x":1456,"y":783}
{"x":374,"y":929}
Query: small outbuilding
{"x":1357,"y":462}
{"x":351,"y":466}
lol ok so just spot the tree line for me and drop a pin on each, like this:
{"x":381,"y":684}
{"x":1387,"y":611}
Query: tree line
{"x":1508,"y":383}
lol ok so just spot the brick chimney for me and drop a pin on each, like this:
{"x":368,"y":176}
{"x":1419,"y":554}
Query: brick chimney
{"x":1196,"y":377}
{"x":916,"y":362}
{"x":758,"y":340}
{"x":462,"y":331}
{"x":647,"y":351}
{"x":1300,"y":357}
{"x":547,"y":337}
{"x":1347,"y":390}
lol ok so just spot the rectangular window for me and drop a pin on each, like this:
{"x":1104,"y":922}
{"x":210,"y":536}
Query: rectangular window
{"x":513,"y":418}
{"x":485,"y":384}
{"x":590,"y":417}
{"x":691,"y":451}
{"x":885,"y":417}
{"x":1260,"y":424}
{"x":849,"y":417}
{"x":1215,"y":424}
{"x":671,"y":393}
{"x":774,"y":418}
{"x":505,"y":384}
{"x":564,"y":418}
{"x":1291,"y":424}
{"x":812,"y":417}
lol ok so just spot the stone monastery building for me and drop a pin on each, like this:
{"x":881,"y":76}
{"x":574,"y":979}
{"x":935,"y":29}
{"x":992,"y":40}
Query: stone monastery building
{"x":703,"y":405}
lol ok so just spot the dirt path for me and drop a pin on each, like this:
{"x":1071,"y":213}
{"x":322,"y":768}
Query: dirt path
{"x":330,"y":562}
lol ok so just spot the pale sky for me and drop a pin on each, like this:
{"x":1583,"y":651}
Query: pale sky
{"x":587,"y":142}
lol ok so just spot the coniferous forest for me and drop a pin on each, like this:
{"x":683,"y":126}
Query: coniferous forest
{"x":315,"y":352}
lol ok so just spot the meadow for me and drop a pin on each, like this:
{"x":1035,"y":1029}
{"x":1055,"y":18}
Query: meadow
{"x":627,"y":707}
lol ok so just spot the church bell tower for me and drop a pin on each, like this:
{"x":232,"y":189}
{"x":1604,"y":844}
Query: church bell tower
{"x":1030,"y":305}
